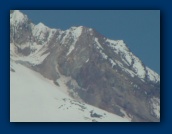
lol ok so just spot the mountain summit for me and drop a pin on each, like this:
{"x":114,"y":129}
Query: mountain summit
{"x":97,"y":70}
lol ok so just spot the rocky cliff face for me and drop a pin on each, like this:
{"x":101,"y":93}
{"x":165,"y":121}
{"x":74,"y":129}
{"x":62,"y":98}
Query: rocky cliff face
{"x":102,"y":72}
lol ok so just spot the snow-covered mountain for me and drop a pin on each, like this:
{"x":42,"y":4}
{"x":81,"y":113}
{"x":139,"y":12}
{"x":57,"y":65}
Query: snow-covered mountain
{"x":96,"y":70}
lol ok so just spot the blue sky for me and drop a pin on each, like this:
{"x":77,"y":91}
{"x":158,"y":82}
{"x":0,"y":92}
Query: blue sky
{"x":140,"y":29}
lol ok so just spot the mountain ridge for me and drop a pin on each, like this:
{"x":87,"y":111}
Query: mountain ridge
{"x":76,"y":52}
{"x":43,"y":28}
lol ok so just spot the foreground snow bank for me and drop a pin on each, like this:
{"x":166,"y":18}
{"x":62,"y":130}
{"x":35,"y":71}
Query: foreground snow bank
{"x":36,"y":99}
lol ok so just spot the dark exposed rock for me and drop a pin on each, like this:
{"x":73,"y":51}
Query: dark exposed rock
{"x":92,"y":114}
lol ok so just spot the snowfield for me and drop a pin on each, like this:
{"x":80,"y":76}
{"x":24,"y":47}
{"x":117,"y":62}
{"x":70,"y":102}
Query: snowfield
{"x":34,"y":98}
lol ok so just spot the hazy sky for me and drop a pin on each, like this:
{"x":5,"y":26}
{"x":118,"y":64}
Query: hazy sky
{"x":140,"y":29}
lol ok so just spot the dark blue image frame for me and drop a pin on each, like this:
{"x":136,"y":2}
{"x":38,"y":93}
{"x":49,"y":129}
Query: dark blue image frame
{"x":142,"y":128}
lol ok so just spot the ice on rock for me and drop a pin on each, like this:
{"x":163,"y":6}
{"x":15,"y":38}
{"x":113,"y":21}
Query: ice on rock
{"x":155,"y":103}
{"x":112,"y":62}
{"x":75,"y":34}
{"x":139,"y":68}
{"x":103,"y":54}
{"x":152,"y":76}
{"x":98,"y":44}
{"x":87,"y":60}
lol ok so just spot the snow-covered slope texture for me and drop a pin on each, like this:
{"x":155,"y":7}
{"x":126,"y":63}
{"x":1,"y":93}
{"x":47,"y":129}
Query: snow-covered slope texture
{"x":36,"y":99}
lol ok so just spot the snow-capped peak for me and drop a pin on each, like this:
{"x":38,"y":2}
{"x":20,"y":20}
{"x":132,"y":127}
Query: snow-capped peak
{"x":76,"y":31}
{"x":41,"y":26}
{"x":40,"y":30}
{"x":129,"y":59}
{"x":17,"y":17}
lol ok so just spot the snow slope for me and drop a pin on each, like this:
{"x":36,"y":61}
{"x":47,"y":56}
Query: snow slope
{"x":36,"y":99}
